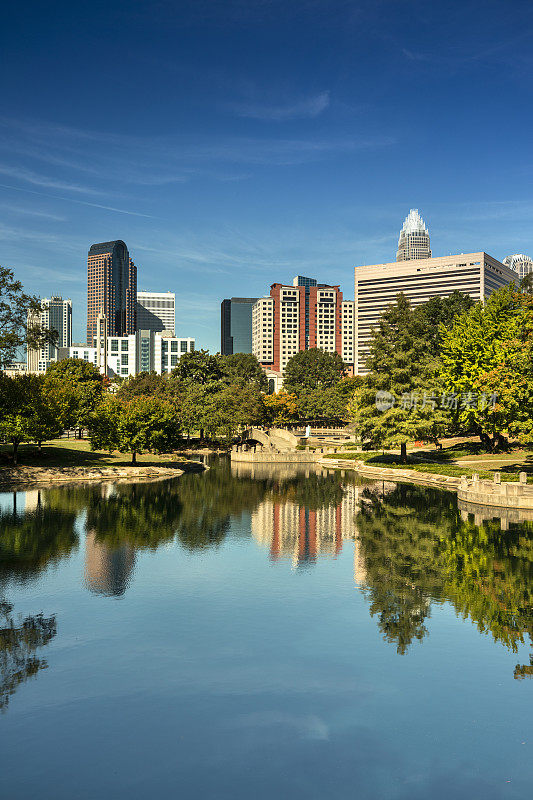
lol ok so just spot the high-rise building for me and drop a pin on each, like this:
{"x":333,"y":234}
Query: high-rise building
{"x":156,"y":311}
{"x":236,"y":325}
{"x":124,"y":356}
{"x":301,"y":317}
{"x":520,"y":263}
{"x":376,"y":287}
{"x":55,"y":314}
{"x":111,"y":289}
{"x":414,"y":238}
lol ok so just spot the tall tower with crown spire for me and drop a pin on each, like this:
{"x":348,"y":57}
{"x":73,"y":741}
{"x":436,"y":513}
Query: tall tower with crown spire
{"x":414,"y":238}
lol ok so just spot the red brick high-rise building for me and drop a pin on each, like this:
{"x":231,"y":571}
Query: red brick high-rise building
{"x":111,"y":289}
{"x":300,"y":317}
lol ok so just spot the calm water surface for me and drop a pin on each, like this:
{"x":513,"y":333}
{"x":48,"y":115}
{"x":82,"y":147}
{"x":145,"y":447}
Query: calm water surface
{"x":238,"y":634}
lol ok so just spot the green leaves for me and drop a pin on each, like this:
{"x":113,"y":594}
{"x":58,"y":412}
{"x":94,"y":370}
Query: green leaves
{"x":135,"y":426}
{"x":489,"y":350}
{"x":312,"y":369}
{"x":15,"y":330}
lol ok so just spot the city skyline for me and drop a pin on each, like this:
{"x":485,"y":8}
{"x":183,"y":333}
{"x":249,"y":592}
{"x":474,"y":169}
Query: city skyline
{"x":227,"y":154}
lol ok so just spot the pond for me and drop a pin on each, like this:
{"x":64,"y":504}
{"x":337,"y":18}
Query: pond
{"x":248,"y":632}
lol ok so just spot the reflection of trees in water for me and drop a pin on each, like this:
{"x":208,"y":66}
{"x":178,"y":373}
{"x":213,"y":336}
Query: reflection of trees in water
{"x":30,"y":541}
{"x":417,"y":548}
{"x":209,"y":501}
{"x":314,"y":492}
{"x":18,"y":645}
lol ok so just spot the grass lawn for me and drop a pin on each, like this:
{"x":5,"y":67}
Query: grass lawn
{"x":77,"y":453}
{"x":485,"y":465}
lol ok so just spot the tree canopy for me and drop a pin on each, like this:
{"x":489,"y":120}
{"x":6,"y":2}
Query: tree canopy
{"x":142,"y":425}
{"x":486,"y":364}
{"x":312,"y":369}
{"x":16,"y":328}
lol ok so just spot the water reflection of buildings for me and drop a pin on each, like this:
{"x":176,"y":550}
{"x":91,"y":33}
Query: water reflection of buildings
{"x":289,"y":529}
{"x":107,"y":570}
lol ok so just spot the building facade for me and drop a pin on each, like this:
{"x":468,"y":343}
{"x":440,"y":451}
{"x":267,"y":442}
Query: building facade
{"x":236,"y":325}
{"x":125,"y":356}
{"x":376,"y":287}
{"x":414,"y":238}
{"x":301,"y":317}
{"x":56,"y":315}
{"x":111,"y":289}
{"x":156,"y":311}
{"x":520,"y":263}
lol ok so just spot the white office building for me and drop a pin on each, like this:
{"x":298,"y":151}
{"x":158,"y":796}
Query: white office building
{"x":377,"y":285}
{"x":56,"y":315}
{"x":144,"y":351}
{"x":156,"y":311}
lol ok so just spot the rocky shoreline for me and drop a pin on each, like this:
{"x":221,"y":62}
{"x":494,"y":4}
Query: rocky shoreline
{"x":25,"y":476}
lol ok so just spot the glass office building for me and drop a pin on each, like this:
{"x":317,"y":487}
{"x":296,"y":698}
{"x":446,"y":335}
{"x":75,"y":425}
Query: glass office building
{"x":236,"y":325}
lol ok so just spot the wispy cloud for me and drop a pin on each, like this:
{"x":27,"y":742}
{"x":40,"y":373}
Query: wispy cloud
{"x":35,"y":179}
{"x":75,"y":200}
{"x":299,"y":109}
{"x":31,"y":212}
{"x":162,"y":160}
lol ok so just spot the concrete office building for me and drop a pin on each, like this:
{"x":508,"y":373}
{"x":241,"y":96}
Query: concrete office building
{"x":520,"y":263}
{"x":55,"y":315}
{"x":125,"y":356}
{"x":376,"y":287}
{"x":156,"y":311}
{"x":300,"y":317}
{"x":414,"y":238}
{"x":236,"y":325}
{"x":111,"y":289}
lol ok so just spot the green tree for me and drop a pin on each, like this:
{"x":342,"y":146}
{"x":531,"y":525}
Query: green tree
{"x":16,"y":327}
{"x":240,"y":369}
{"x":146,"y":384}
{"x":198,"y":367}
{"x":438,"y":314}
{"x":28,"y":413}
{"x":328,"y":406}
{"x":526,"y":284}
{"x":486,"y":361}
{"x":142,"y":425}
{"x":233,"y":408}
{"x":312,"y":369}
{"x":396,"y":402}
{"x":77,"y":387}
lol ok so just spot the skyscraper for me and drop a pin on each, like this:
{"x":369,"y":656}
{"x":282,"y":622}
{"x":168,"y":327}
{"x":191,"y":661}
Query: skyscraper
{"x":156,"y":311}
{"x":111,"y":289}
{"x":414,"y":238}
{"x":301,"y":317}
{"x":520,"y":263}
{"x":55,"y":315}
{"x":236,"y":325}
{"x":377,"y":285}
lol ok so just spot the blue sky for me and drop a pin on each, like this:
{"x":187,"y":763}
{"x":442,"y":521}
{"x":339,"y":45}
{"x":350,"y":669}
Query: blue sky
{"x":236,"y":143}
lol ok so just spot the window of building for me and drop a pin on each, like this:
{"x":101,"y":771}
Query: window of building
{"x":173,"y":360}
{"x":124,"y":345}
{"x":174,"y":347}
{"x":124,"y":358}
{"x":183,"y":346}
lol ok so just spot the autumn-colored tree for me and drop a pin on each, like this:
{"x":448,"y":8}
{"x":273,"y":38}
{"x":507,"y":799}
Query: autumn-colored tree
{"x":281,"y":408}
